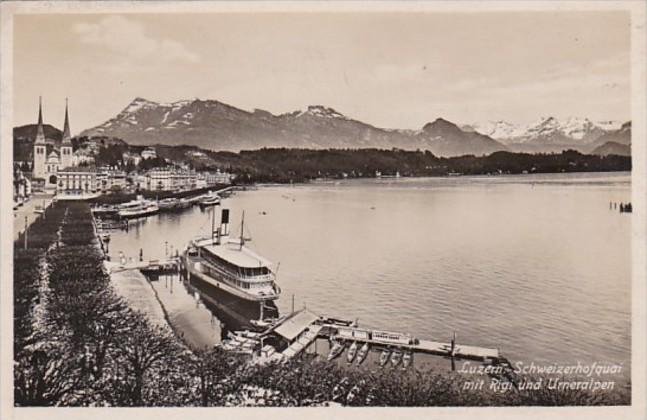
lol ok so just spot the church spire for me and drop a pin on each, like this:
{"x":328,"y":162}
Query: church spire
{"x":66,"y":127}
{"x":40,"y":133}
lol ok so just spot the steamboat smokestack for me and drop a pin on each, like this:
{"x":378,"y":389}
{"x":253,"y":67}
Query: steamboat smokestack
{"x":224,"y":222}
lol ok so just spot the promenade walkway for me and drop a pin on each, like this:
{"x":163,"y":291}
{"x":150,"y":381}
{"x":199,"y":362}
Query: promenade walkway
{"x":133,"y":286}
{"x":27,"y":209}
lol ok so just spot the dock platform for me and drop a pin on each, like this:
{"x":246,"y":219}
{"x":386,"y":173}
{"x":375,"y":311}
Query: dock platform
{"x":170,"y":265}
{"x":461,"y":351}
{"x":302,"y":342}
{"x":300,"y":329}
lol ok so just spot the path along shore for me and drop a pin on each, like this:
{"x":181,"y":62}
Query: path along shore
{"x":166,"y":302}
{"x":27,"y":210}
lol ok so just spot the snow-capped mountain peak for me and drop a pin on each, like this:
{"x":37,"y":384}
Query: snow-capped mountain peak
{"x":499,"y":129}
{"x":137,"y":104}
{"x":546,"y":129}
{"x":322,"y":111}
{"x":609,"y":125}
{"x":577,"y":128}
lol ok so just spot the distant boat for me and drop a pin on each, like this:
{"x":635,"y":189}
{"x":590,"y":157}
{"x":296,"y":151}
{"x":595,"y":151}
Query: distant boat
{"x":168,"y":204}
{"x":352,"y":351}
{"x":363,"y":352}
{"x":184,"y":203}
{"x":384,"y":357}
{"x":194,"y":199}
{"x":395,"y":175}
{"x":105,"y":211}
{"x":209,"y":200}
{"x":138,"y":208}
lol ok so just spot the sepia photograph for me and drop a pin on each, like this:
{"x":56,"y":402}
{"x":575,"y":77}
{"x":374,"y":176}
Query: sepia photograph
{"x":323,"y":204}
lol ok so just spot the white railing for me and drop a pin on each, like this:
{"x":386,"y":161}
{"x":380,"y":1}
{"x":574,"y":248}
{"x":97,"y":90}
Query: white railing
{"x":232,"y":276}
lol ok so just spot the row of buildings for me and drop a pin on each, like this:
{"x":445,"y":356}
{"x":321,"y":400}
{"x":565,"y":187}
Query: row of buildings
{"x":57,"y":168}
{"x":89,"y":179}
{"x":175,"y":179}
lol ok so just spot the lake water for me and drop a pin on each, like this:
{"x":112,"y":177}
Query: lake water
{"x":536,"y":265}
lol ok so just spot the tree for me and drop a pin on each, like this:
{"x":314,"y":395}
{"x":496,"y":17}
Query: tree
{"x":139,"y":351}
{"x":47,"y":375}
{"x":215,"y":372}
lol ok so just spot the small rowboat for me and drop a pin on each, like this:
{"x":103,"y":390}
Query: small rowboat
{"x":407,"y":360}
{"x":352,"y":351}
{"x":363,"y":352}
{"x":396,"y":358}
{"x":335,"y":351}
{"x":384,"y":357}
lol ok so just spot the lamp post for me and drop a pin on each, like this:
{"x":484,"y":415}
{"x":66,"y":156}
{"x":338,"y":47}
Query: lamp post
{"x":26,"y":231}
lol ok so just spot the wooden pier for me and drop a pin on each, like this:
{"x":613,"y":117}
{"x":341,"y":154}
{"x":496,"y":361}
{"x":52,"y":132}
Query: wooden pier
{"x":303,"y":327}
{"x":167,"y":266}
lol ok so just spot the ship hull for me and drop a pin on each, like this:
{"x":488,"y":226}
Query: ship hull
{"x":225,"y":287}
{"x":235,"y":312}
{"x":136,"y":214}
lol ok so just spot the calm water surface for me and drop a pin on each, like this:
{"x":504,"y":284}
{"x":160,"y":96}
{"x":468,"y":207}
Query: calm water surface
{"x":537,"y":265}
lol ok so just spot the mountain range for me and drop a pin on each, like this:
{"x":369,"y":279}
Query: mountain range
{"x":549,"y":134}
{"x":214,"y":125}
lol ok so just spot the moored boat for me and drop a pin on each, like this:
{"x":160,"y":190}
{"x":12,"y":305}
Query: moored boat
{"x":105,"y":211}
{"x":138,"y":208}
{"x":396,"y":357}
{"x":352,"y":351}
{"x":168,"y":204}
{"x":227,"y":265}
{"x":384,"y":357}
{"x":361,"y":355}
{"x":194,"y":199}
{"x":407,"y":360}
{"x":184,"y":203}
{"x":211,"y":199}
{"x":335,"y":350}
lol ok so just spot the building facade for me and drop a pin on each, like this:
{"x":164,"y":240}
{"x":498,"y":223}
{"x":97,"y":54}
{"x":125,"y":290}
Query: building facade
{"x":21,"y":184}
{"x":218,"y":177}
{"x":169,"y":179}
{"x":149,"y":153}
{"x":79,"y":180}
{"x":110,"y":179}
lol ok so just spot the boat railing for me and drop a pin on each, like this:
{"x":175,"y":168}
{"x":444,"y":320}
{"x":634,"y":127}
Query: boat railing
{"x":237,"y":276}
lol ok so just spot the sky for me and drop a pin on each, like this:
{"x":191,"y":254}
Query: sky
{"x":389,"y":69}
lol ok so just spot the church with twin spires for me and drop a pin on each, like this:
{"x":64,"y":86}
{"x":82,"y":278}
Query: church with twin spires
{"x":47,"y":165}
{"x":54,"y":163}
